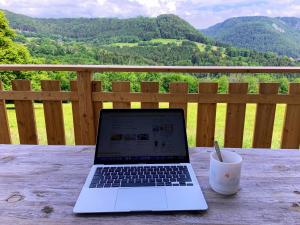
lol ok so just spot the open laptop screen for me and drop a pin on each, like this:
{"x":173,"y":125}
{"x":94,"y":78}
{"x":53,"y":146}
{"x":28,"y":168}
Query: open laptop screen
{"x":141,"y":136}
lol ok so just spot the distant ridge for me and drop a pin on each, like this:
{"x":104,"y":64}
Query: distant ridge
{"x":280,"y":35}
{"x":108,"y":29}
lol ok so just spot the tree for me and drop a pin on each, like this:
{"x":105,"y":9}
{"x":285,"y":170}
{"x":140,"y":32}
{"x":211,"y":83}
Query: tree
{"x":10,"y":52}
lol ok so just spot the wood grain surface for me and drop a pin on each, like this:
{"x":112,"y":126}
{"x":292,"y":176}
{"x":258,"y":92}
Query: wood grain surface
{"x":40,"y":185}
{"x":5,"y":137}
{"x":25,"y":114}
{"x":235,"y":118}
{"x":183,"y":88}
{"x":86,"y":109}
{"x":206,"y":117}
{"x":121,"y":86}
{"x":291,"y":128}
{"x":165,"y":69}
{"x":54,"y":116}
{"x":264,"y":118}
{"x":149,"y":87}
{"x":76,"y":116}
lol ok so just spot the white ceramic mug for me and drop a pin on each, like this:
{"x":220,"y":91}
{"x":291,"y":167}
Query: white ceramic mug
{"x":224,"y":177}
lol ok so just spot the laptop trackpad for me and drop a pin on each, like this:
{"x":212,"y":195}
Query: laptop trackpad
{"x":141,"y":199}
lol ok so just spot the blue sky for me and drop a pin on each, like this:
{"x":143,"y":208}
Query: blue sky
{"x":200,"y":13}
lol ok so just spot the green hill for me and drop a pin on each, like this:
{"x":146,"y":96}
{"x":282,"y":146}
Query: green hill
{"x":164,"y":40}
{"x":280,"y":35}
{"x":107,"y":30}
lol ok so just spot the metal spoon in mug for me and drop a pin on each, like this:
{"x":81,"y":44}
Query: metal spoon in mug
{"x":217,"y":148}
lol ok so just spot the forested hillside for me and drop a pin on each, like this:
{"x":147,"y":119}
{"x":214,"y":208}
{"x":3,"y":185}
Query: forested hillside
{"x":279,"y":35}
{"x":107,"y":30}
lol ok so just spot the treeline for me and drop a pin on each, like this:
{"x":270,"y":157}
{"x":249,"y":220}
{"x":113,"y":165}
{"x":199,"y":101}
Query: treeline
{"x":164,"y":80}
{"x":223,"y":81}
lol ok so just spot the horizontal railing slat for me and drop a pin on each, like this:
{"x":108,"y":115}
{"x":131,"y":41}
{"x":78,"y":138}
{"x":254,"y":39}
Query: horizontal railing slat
{"x":165,"y":69}
{"x":153,"y":97}
{"x":38,"y":95}
{"x":196,"y":98}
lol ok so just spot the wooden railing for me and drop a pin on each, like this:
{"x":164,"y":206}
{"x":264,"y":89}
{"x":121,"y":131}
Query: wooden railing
{"x":87,"y":98}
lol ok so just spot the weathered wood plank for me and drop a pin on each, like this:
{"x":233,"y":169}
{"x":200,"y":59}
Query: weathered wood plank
{"x":97,"y":105}
{"x":183,"y":88}
{"x":150,"y":97}
{"x":264,"y":118}
{"x":54,"y":118}
{"x":76,"y":117}
{"x":86,"y":111}
{"x":149,"y":87}
{"x":38,"y":95}
{"x":235,"y":118}
{"x":197,"y":98}
{"x":206,"y":117}
{"x":5,"y":137}
{"x":291,"y":129}
{"x":38,"y":187}
{"x":123,"y":87}
{"x":165,"y":69}
{"x":25,"y":114}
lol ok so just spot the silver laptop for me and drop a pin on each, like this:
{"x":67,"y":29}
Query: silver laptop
{"x":141,"y":164}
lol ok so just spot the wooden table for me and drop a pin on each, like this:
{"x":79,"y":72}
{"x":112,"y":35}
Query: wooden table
{"x":40,"y":184}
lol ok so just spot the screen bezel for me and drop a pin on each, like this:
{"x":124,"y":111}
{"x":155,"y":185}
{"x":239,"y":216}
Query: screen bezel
{"x":164,"y":159}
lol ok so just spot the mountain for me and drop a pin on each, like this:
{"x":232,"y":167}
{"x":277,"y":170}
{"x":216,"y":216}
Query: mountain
{"x":164,"y":40}
{"x":107,"y":30}
{"x":279,"y":35}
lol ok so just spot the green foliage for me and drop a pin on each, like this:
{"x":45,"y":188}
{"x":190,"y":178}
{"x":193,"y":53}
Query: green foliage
{"x":10,"y":52}
{"x":136,"y":78}
{"x":223,"y":84}
{"x":283,"y":85}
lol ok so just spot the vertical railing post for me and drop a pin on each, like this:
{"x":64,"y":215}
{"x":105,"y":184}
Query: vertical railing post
{"x":85,"y":102}
{"x":25,"y":114}
{"x":291,"y":129}
{"x":5,"y":137}
{"x":206,"y":117}
{"x":264,"y":118}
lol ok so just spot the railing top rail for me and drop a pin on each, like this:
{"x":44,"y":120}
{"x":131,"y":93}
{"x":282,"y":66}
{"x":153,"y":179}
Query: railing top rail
{"x":164,"y":69}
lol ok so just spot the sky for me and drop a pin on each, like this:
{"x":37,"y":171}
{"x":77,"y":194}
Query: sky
{"x":200,"y":13}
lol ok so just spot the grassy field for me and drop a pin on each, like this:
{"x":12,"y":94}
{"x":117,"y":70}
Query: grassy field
{"x":191,"y":123}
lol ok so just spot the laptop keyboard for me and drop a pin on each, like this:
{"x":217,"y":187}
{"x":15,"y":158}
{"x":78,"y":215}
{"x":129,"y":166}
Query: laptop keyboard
{"x":141,"y":176}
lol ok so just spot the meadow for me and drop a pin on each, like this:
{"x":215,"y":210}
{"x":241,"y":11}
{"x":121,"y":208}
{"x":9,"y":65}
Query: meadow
{"x":191,"y":123}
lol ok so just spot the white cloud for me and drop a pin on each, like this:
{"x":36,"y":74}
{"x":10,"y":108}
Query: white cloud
{"x":200,"y":13}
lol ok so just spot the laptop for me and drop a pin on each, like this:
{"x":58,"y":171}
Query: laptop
{"x":141,"y":164}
